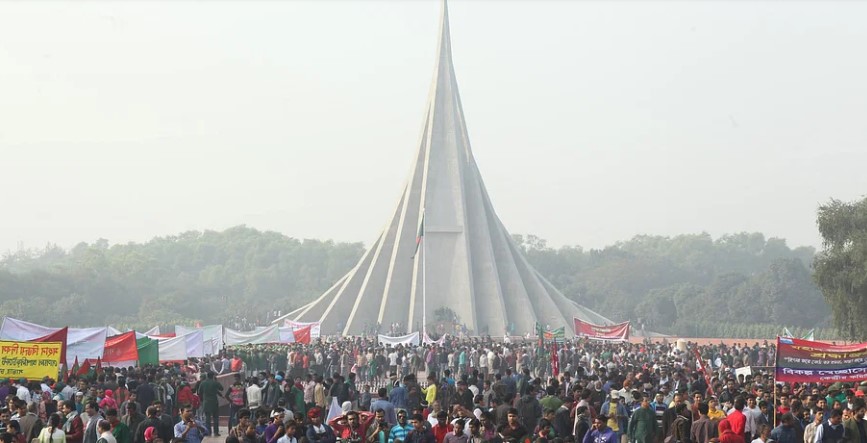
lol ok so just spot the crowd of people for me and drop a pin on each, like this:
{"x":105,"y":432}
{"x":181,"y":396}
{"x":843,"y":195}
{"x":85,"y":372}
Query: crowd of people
{"x":473,"y":390}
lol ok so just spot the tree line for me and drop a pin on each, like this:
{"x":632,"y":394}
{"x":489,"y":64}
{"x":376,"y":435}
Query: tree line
{"x":739,"y":285}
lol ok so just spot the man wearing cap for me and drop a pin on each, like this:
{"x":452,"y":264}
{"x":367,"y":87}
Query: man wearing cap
{"x":318,"y":432}
{"x":276,"y":428}
{"x":616,"y":412}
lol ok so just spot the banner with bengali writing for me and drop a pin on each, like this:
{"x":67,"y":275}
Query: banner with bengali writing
{"x":618,"y":332}
{"x":810,"y":361}
{"x":33,"y":361}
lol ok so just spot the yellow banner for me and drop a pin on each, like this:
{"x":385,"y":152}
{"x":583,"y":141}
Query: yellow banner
{"x":30,"y":360}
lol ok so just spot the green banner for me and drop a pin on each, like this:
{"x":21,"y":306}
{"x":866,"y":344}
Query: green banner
{"x":148,"y":351}
{"x":556,"y":334}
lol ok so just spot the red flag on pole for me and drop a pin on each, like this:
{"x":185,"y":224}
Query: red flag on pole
{"x":302,"y":335}
{"x":701,"y":368}
{"x":74,"y":370}
{"x":120,"y":349}
{"x":555,"y":359}
{"x":85,"y":367}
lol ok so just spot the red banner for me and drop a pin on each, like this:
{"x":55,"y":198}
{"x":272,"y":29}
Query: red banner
{"x":618,"y":332}
{"x":58,"y":335}
{"x":812,"y":361}
{"x":302,"y":335}
{"x":120,"y":348}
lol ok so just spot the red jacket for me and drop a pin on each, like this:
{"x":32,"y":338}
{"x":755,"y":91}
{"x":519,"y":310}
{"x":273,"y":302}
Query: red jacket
{"x":185,"y":396}
{"x":440,"y":432}
{"x":76,"y":431}
{"x":726,"y":435}
{"x":738,"y":421}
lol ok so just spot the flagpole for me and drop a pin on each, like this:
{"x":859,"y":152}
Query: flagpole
{"x":423,"y":275}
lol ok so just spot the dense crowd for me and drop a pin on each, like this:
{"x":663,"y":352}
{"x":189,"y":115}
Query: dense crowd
{"x":457,"y":391}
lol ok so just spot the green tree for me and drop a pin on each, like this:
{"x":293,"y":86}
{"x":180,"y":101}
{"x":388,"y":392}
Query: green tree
{"x":841,"y":266}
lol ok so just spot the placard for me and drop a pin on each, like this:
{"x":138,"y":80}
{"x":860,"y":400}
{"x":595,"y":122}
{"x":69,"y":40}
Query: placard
{"x":30,"y":360}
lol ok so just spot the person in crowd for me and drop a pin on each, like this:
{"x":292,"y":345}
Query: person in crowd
{"x":854,"y":427}
{"x":209,"y":390}
{"x":103,"y":427}
{"x":119,"y":431}
{"x":786,"y":432}
{"x":53,"y":432}
{"x":600,"y":432}
{"x":726,"y":435}
{"x":832,"y":430}
{"x":190,"y":429}
{"x":764,"y":434}
{"x":73,"y":426}
{"x":642,"y":426}
{"x":419,"y":433}
{"x":401,"y":429}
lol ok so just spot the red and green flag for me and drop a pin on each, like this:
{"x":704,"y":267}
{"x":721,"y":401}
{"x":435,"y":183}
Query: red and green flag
{"x":420,"y":236}
{"x":74,"y":370}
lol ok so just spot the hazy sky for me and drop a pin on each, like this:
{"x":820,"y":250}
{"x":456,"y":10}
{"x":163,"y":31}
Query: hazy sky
{"x":591,"y":121}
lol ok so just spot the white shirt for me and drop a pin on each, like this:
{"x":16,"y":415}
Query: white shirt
{"x":23,"y":393}
{"x":108,"y":436}
{"x":752,"y":415}
{"x":392,"y":359}
{"x":254,"y":396}
{"x":287,"y":439}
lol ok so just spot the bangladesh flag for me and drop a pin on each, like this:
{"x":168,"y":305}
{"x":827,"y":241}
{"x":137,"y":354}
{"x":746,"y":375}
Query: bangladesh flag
{"x":74,"y":370}
{"x":556,"y":334}
{"x":420,"y":235}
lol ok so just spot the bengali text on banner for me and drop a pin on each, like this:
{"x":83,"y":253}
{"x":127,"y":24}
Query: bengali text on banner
{"x":618,"y":332}
{"x":810,"y":361}
{"x":33,"y":361}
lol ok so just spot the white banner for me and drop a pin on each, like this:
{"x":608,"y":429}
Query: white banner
{"x":182,"y":347}
{"x":429,"y":341}
{"x":287,"y":335}
{"x":213,"y":337}
{"x":314,"y":330}
{"x":153,"y":331}
{"x":112,"y":331}
{"x":83,"y":343}
{"x":267,"y":335}
{"x":411,"y":339}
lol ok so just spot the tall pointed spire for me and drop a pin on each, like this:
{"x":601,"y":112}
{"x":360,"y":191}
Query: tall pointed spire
{"x":468,"y":268}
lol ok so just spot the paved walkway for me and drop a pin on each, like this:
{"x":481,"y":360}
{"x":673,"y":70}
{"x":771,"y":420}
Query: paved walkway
{"x":220,"y":439}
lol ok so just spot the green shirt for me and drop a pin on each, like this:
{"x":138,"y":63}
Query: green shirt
{"x":121,"y":433}
{"x":209,"y":390}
